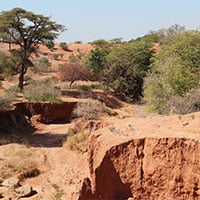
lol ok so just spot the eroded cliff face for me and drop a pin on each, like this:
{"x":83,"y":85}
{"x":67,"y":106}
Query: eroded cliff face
{"x":144,"y":168}
{"x":47,"y":112}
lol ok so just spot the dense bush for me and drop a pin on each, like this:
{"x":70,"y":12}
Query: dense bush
{"x":96,"y":60}
{"x":8,"y":64}
{"x":175,"y":70}
{"x":125,"y":68}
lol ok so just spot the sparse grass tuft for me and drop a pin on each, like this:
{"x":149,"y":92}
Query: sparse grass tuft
{"x":59,"y":192}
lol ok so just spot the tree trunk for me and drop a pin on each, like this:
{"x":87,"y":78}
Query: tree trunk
{"x":21,"y":81}
{"x":21,"y":77}
{"x":70,"y":85}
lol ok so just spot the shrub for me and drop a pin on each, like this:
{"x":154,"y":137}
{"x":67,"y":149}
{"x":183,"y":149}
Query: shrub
{"x":96,"y":60}
{"x":8,"y":64}
{"x":92,"y":109}
{"x":50,"y":45}
{"x":57,"y":56}
{"x":5,"y":104}
{"x":184,"y":105}
{"x":43,"y":90}
{"x":73,"y":72}
{"x":125,"y":68}
{"x":124,"y":81}
{"x":75,"y":141}
{"x":84,"y":87}
{"x":7,"y":99}
{"x":41,"y":64}
{"x":174,"y":72}
{"x":64,"y":46}
{"x":101,"y":43}
{"x":78,"y":42}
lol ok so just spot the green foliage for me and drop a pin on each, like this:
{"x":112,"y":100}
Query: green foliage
{"x":116,"y":41}
{"x":64,"y":46}
{"x":8,"y":64}
{"x":78,"y":42}
{"x":27,"y":31}
{"x":96,"y":60}
{"x":101,"y":43}
{"x":175,"y":70}
{"x":59,"y":192}
{"x":7,"y":99}
{"x":74,"y":59}
{"x":152,"y":37}
{"x":41,"y":64}
{"x":57,"y":56}
{"x":50,"y":45}
{"x":125,"y":68}
{"x":90,"y":87}
{"x":42,"y":91}
{"x":84,"y":87}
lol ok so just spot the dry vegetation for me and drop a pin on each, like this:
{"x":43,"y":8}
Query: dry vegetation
{"x":18,"y":160}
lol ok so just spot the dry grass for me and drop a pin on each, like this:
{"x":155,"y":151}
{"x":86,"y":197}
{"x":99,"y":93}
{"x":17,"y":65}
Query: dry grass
{"x":90,"y":110}
{"x":42,"y":91}
{"x":77,"y":141}
{"x":78,"y":135}
{"x":17,"y":160}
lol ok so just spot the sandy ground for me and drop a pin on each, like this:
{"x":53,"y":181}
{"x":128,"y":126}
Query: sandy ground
{"x":60,"y":166}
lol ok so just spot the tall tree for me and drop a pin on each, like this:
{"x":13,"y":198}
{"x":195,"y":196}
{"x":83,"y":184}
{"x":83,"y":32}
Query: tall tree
{"x":27,"y":31}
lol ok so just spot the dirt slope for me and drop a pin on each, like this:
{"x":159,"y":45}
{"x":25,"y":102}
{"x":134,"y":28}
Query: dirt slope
{"x":145,"y":158}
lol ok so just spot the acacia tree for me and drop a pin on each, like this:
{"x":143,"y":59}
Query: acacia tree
{"x":27,"y":31}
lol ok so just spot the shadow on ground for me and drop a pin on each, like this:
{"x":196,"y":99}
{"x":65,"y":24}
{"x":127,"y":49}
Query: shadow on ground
{"x":46,"y":140}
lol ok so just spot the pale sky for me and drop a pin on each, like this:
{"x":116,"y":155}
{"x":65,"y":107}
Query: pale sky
{"x":89,"y":20}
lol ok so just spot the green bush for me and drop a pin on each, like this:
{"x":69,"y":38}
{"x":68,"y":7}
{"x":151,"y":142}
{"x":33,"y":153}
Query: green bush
{"x":84,"y":87}
{"x":174,"y":72}
{"x":8,"y":64}
{"x":64,"y":46}
{"x":96,"y":60}
{"x":125,"y":68}
{"x":42,"y":91}
{"x":78,"y":42}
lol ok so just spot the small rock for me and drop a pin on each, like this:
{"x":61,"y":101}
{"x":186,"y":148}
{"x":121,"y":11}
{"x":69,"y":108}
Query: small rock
{"x":130,"y":198}
{"x":1,"y":196}
{"x":185,"y":123}
{"x":24,"y":190}
{"x":11,"y":182}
